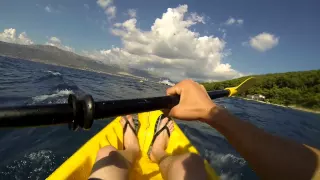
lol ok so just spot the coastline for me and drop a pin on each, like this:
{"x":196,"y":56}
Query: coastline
{"x":119,"y":74}
{"x":290,"y":106}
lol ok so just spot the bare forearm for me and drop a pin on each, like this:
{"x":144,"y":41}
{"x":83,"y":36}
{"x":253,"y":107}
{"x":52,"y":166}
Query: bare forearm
{"x":270,"y":156}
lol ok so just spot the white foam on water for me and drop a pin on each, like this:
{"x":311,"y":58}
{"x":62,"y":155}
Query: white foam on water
{"x":41,"y":162}
{"x":166,"y":82}
{"x":225,"y":161}
{"x":54,"y":73}
{"x":229,"y":176}
{"x":229,"y":158}
{"x":60,"y":93}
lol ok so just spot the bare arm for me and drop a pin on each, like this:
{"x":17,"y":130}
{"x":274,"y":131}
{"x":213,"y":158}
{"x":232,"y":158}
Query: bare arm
{"x":271,"y":157}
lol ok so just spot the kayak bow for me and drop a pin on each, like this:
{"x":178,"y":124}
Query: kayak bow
{"x":79,"y":165}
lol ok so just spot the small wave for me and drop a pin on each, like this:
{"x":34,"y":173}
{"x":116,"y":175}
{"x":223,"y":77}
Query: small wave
{"x":229,"y":159}
{"x":167,"y":82}
{"x":54,"y":73}
{"x":64,"y":85}
{"x":34,"y":165}
{"x":50,"y":76}
{"x":228,"y":165}
{"x":60,"y":93}
{"x":224,"y":160}
{"x":229,"y":176}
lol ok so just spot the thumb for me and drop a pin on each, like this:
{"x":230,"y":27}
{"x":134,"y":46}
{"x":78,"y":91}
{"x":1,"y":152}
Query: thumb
{"x":173,"y":90}
{"x":175,"y":111}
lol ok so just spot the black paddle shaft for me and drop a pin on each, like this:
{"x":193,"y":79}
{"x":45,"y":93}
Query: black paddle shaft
{"x":82,"y":112}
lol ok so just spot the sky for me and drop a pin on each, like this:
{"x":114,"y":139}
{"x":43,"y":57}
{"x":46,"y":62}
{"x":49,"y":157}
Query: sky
{"x":207,"y":40}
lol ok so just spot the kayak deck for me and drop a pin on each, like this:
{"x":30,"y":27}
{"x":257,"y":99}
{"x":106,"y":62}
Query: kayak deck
{"x":79,"y":165}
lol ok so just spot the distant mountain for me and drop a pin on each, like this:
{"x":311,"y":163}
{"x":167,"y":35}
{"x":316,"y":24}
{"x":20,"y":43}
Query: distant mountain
{"x":53,"y":55}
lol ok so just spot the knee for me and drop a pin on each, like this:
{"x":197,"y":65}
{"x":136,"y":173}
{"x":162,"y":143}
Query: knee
{"x":195,"y":158}
{"x":187,"y":161}
{"x":105,"y":151}
{"x":189,"y":166}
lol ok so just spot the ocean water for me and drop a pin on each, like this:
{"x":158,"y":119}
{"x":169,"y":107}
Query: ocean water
{"x":33,"y":153}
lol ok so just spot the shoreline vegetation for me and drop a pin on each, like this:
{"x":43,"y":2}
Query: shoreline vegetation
{"x":295,"y":90}
{"x":290,"y":106}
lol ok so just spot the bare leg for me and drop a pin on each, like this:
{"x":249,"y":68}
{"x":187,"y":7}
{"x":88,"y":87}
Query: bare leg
{"x":115,"y":164}
{"x":186,"y":166}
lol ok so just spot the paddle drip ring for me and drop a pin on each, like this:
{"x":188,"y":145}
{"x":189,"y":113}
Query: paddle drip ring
{"x":72,"y":101}
{"x":88,"y":111}
{"x":83,"y":111}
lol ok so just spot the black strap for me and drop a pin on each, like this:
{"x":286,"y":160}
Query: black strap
{"x":157,"y":124}
{"x":156,"y":134}
{"x":126,"y":126}
{"x":165,"y":127}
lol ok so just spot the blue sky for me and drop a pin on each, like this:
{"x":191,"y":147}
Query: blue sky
{"x":290,"y":43}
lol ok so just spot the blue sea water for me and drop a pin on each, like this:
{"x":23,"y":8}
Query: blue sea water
{"x":33,"y":153}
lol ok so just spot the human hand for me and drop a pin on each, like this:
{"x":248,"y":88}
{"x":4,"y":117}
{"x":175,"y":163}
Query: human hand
{"x":195,"y":103}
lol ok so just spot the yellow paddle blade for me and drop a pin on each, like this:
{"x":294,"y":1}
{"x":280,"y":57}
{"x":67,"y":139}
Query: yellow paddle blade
{"x":245,"y":85}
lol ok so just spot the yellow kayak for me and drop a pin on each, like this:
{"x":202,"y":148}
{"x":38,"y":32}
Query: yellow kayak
{"x":79,"y":165}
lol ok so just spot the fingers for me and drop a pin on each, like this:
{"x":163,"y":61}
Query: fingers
{"x":173,"y":90}
{"x":175,"y":111}
{"x":183,"y":114}
{"x":202,"y":87}
{"x":177,"y":89}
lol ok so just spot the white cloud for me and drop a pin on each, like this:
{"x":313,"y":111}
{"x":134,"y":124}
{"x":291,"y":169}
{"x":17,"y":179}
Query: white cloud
{"x":196,"y":18}
{"x":170,"y":48}
{"x":132,"y":13}
{"x":9,"y":35}
{"x":224,"y":32}
{"x":109,"y":9}
{"x":104,"y":3}
{"x":264,"y":41}
{"x":54,"y":41}
{"x":240,"y":21}
{"x":48,"y":8}
{"x":232,"y":20}
{"x":23,"y":38}
{"x":111,"y":12}
{"x":117,"y":24}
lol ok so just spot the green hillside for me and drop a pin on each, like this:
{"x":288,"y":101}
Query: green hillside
{"x":300,"y":89}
